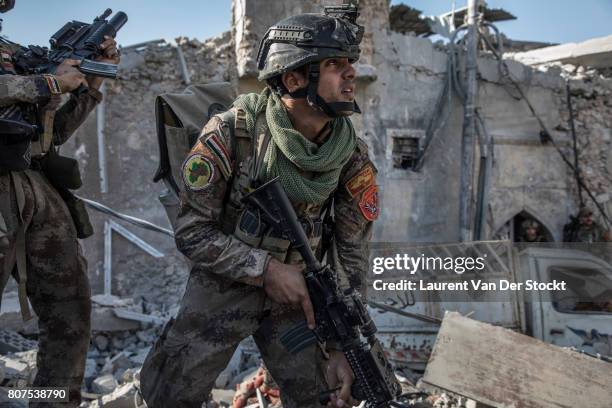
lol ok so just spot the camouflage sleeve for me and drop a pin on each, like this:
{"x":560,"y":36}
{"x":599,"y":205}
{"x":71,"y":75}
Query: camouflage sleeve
{"x":198,"y":232}
{"x":355,"y":209}
{"x":73,"y":113}
{"x":30,"y":89}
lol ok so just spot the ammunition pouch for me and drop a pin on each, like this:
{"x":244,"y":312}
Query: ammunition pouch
{"x":64,"y":175}
{"x":78,"y":212}
{"x":15,"y":144}
{"x":252,"y":230}
{"x":62,"y":172}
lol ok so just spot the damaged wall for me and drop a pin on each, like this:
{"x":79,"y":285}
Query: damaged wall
{"x":399,"y":80}
{"x":132,"y":158}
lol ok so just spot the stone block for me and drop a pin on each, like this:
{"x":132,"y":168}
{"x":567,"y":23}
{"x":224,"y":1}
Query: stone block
{"x":104,"y":384}
{"x":104,"y":319}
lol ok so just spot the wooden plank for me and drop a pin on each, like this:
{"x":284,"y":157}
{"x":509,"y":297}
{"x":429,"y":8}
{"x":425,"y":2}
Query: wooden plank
{"x":502,"y":368}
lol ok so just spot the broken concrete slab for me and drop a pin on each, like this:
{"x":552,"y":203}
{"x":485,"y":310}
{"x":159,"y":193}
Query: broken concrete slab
{"x":11,"y":341}
{"x":118,"y":362}
{"x":17,"y":373}
{"x":105,"y":320}
{"x":140,"y":356}
{"x":502,"y":368}
{"x":138,"y":317}
{"x":596,"y":53}
{"x":122,"y":397}
{"x":90,"y":369}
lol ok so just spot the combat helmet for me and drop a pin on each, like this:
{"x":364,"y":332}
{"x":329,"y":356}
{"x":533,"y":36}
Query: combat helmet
{"x":6,"y":5}
{"x":530,"y":223}
{"x":585,"y":212}
{"x":300,"y":40}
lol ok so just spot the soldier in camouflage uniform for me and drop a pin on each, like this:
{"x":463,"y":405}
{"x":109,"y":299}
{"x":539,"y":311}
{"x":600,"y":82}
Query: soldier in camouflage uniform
{"x":38,"y":241}
{"x":530,"y":232}
{"x":246,"y":281}
{"x":589,"y":230}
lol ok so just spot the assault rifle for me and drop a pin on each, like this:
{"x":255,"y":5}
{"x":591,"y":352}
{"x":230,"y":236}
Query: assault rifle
{"x":75,"y":40}
{"x":340,"y":317}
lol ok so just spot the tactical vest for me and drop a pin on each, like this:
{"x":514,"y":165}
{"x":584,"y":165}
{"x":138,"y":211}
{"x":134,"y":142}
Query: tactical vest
{"x":244,"y":223}
{"x":16,"y":131}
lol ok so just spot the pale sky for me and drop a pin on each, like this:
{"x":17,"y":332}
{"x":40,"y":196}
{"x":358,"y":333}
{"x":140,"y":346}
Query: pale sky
{"x":34,"y":21}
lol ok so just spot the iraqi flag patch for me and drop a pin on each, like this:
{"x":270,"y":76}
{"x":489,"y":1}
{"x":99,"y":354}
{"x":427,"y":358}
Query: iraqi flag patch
{"x":217,"y":148}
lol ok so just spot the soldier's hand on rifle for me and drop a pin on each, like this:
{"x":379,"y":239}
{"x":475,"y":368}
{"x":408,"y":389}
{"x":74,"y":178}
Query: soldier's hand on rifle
{"x":111,"y":56}
{"x":68,"y":76}
{"x":340,"y":375}
{"x":285,"y":284}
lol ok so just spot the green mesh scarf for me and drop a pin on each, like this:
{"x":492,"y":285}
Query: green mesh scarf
{"x":289,"y":153}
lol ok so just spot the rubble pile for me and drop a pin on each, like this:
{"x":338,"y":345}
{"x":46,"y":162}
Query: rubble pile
{"x":591,"y":96}
{"x":122,"y":335}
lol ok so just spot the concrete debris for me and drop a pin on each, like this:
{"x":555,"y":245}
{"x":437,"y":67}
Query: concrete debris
{"x":90,"y":369}
{"x":123,"y":396}
{"x":140,"y":356}
{"x":595,"y":52}
{"x":500,"y":368}
{"x":10,"y":315}
{"x":245,"y":359}
{"x":138,"y":317}
{"x":11,"y":341}
{"x":104,"y":319}
{"x":104,"y":384}
{"x":18,"y":369}
{"x":6,"y":402}
{"x":101,"y":342}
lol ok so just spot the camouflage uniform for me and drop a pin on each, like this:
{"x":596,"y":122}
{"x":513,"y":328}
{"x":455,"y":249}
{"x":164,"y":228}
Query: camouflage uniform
{"x":591,"y":233}
{"x":57,"y":284}
{"x":224,"y":301}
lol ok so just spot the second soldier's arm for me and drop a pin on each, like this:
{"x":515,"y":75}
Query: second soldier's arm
{"x":198,"y":231}
{"x":73,"y":113}
{"x":33,"y":89}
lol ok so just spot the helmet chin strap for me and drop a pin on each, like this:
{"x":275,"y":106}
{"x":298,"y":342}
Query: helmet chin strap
{"x":331,"y":109}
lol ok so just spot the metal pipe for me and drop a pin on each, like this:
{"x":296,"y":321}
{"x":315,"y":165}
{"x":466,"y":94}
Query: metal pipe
{"x":183,"y":65}
{"x":108,"y":258}
{"x":100,"y":115}
{"x":469,"y":126}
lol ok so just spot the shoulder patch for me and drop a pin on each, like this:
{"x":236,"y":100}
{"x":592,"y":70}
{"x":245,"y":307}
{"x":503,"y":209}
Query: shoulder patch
{"x":369,"y":203}
{"x":218,"y":150}
{"x":198,"y":172}
{"x":362,"y":180}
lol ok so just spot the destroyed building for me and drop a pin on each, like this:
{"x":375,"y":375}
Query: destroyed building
{"x":401,"y":77}
{"x":400,"y":83}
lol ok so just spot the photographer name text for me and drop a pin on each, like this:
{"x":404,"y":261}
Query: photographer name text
{"x":467,"y":285}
